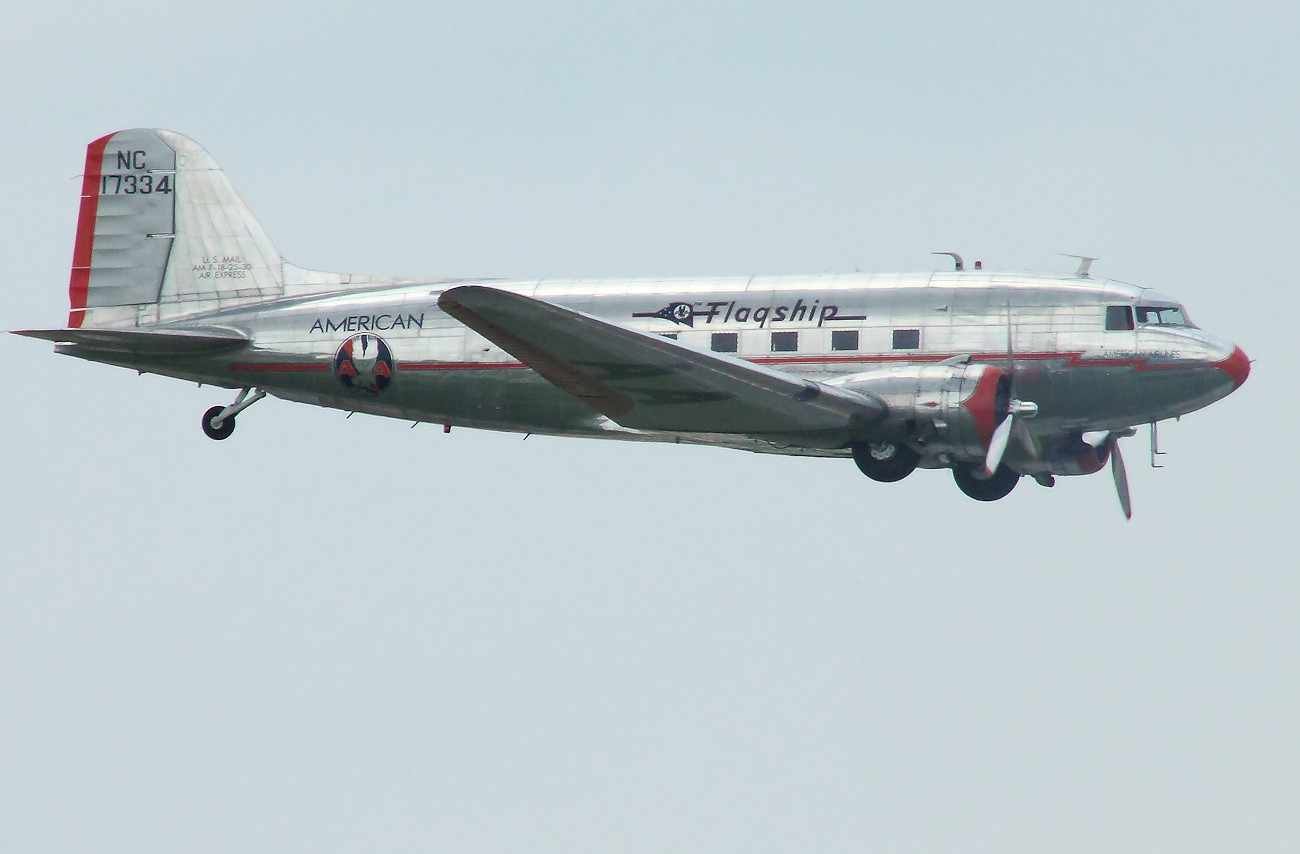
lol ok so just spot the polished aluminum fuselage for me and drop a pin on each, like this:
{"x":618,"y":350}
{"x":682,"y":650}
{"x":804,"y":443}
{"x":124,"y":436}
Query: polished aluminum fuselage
{"x":1082,"y":376}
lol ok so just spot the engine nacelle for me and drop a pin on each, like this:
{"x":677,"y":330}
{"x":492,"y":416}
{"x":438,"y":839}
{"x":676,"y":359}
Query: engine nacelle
{"x":1072,"y":457}
{"x":945,"y":409}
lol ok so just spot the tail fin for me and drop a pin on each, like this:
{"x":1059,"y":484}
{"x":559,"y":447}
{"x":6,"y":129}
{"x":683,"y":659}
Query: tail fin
{"x":162,"y":234}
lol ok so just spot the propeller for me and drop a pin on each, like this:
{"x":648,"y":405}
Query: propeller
{"x":1121,"y":478}
{"x":1103,"y":438}
{"x":1027,"y":438}
{"x":1015,"y":407}
{"x":998,"y":444}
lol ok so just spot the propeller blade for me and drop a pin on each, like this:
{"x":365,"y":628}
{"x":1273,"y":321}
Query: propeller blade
{"x":1028,"y":439}
{"x":1121,"y":479}
{"x":998,"y":445}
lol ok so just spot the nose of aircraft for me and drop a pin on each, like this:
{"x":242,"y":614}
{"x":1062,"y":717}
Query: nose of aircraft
{"x":1236,"y":366}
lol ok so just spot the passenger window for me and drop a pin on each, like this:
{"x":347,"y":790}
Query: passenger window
{"x":785,"y":342}
{"x":844,"y":339}
{"x":725,"y":342}
{"x":1119,"y":318}
{"x":907,"y":339}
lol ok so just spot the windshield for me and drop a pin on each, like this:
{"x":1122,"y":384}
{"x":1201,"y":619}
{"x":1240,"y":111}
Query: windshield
{"x":1162,"y":315}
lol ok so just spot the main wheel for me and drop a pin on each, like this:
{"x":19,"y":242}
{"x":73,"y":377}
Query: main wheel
{"x":227,"y":425}
{"x":973,"y":482}
{"x":885,"y":461}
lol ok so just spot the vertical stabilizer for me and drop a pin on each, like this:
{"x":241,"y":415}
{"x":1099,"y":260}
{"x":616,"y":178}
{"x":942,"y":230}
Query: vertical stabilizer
{"x":162,"y":233}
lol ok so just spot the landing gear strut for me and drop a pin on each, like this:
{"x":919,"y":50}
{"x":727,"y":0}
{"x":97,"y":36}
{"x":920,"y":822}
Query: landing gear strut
{"x":884,"y":461}
{"x":973,"y":482}
{"x":219,"y":421}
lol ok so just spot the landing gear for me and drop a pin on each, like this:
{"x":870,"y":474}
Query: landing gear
{"x":977,"y":485}
{"x":219,"y":421}
{"x":884,"y":461}
{"x":225,"y":426}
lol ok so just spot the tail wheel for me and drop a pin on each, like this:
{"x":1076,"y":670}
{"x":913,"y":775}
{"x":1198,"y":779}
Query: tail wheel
{"x":227,"y":424}
{"x":884,"y":461}
{"x":971,"y":480}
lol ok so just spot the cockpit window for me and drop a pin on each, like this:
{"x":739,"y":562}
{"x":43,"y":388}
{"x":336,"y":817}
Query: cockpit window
{"x":1164,"y":315}
{"x":1119,"y":318}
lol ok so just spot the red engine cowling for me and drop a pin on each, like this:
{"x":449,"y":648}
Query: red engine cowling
{"x":950,"y":409}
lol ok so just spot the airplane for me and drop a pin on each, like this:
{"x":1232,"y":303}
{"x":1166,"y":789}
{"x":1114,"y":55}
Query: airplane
{"x":993,"y":375}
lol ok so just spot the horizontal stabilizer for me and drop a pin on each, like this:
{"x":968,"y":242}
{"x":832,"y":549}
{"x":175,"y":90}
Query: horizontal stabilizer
{"x":645,"y":381}
{"x":176,"y":342}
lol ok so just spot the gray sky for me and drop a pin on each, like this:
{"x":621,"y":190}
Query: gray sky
{"x":328,"y":635}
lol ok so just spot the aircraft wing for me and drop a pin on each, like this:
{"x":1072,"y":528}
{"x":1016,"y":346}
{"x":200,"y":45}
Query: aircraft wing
{"x":648,"y":382}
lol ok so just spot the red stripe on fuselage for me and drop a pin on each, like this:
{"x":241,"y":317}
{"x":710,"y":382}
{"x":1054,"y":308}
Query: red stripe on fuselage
{"x":83,"y":250}
{"x":1073,"y":360}
{"x":460,"y":366}
{"x":281,"y":368}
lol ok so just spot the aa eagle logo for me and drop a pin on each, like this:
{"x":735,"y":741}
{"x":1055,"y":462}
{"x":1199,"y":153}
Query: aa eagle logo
{"x":681,"y":313}
{"x":364,"y":364}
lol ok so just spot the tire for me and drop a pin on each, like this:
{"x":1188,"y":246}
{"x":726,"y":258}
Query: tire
{"x":972,"y":482}
{"x":885,"y":462}
{"x":223,"y":432}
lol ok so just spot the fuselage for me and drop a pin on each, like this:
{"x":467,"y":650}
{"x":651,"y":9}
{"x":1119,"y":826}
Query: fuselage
{"x":1092,"y":354}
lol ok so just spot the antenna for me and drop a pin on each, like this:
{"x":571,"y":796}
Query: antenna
{"x":959,"y":265}
{"x":1085,"y":263}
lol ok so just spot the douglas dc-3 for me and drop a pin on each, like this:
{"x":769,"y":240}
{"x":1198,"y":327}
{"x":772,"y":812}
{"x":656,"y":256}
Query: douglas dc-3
{"x":995,"y":376}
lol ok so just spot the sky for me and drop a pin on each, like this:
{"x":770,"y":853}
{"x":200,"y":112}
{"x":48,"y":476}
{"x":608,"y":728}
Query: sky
{"x":331,"y":634}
